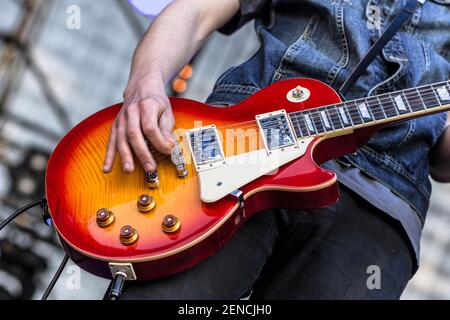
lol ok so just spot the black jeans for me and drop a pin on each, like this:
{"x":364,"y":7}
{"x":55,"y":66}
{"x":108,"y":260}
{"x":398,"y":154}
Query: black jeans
{"x":314,"y":254}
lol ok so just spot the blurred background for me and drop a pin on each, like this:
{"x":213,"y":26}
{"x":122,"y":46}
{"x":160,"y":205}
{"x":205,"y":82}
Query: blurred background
{"x":61,"y":61}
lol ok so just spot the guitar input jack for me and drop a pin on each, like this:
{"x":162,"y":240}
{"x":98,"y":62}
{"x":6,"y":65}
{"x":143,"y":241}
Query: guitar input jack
{"x":116,"y":286}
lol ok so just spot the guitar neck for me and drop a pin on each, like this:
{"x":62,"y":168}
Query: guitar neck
{"x":389,"y":107}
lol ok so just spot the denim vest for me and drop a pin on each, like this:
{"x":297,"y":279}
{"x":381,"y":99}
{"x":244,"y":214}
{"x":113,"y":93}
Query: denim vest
{"x":324,"y":40}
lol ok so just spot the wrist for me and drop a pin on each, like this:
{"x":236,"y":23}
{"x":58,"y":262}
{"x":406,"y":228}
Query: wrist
{"x":144,"y":85}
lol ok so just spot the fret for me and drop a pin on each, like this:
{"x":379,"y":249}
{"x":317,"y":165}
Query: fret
{"x":400,"y":103}
{"x":413,"y":99}
{"x":353,"y":111}
{"x":296,"y":126}
{"x":345,"y":116}
{"x":443,"y":93}
{"x":423,"y":103}
{"x":317,"y":121}
{"x":302,"y":124}
{"x":433,"y":98}
{"x":326,"y":120}
{"x":382,"y":108}
{"x":364,"y":110}
{"x":429,"y":97}
{"x":377,"y":110}
{"x":388,"y":104}
{"x":309,"y":124}
{"x":335,"y":118}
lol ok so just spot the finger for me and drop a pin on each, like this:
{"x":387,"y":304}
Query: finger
{"x":111,"y":150}
{"x":137,"y":141}
{"x":123,"y":147}
{"x":166,"y":124}
{"x":150,"y":127}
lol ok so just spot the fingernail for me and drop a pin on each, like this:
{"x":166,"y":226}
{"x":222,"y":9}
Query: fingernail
{"x":105,"y":168}
{"x":127,"y":166}
{"x":148,"y":167}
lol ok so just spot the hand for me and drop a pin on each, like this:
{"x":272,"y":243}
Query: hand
{"x":146,"y":114}
{"x":439,"y":157}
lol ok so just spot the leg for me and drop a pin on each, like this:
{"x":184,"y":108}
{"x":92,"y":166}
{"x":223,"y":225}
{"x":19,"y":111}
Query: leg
{"x":228,"y":274}
{"x":326,"y":255}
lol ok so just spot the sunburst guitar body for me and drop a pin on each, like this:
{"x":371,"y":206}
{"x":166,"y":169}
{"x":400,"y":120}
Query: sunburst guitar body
{"x":230,"y":164}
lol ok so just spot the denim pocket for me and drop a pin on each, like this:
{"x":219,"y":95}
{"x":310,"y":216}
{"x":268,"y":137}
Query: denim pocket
{"x":392,"y":137}
{"x":389,"y":83}
{"x":226,"y":73}
{"x":318,"y":53}
{"x":288,"y":60}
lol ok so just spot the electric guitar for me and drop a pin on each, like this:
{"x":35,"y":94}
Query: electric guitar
{"x":229,"y":164}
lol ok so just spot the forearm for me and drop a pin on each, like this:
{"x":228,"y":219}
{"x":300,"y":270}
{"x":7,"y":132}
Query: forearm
{"x":175,"y":36}
{"x":146,"y":116}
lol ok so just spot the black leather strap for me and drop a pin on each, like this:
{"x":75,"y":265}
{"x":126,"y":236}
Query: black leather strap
{"x":398,"y":22}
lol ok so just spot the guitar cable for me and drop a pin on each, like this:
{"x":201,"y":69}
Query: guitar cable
{"x":18,"y":212}
{"x":47,"y":220}
{"x":55,"y":277}
{"x":116,"y":286}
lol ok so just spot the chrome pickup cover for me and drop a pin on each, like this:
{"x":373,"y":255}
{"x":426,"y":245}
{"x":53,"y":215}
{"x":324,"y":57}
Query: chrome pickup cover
{"x":205,"y":147}
{"x":276,"y":130}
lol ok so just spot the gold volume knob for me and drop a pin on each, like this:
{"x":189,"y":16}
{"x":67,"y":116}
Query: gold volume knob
{"x":128,"y":235}
{"x":146,"y":203}
{"x":152,"y":179}
{"x":104,"y":218}
{"x":171,"y":224}
{"x":181,"y":170}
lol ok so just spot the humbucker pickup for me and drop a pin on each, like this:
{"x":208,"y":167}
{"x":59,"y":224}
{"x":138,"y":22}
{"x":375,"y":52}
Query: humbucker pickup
{"x":276,"y":130}
{"x":206,"y":149}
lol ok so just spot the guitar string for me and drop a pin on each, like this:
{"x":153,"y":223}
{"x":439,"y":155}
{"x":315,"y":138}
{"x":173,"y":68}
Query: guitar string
{"x":429,"y":91}
{"x":419,"y":97}
{"x":381,"y":113}
{"x":378,"y":114}
{"x":416,"y":103}
{"x":388,"y":100}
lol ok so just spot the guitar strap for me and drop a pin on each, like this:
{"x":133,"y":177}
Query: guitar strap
{"x":387,"y":35}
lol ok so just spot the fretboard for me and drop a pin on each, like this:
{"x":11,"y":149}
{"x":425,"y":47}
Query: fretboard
{"x":388,"y":107}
